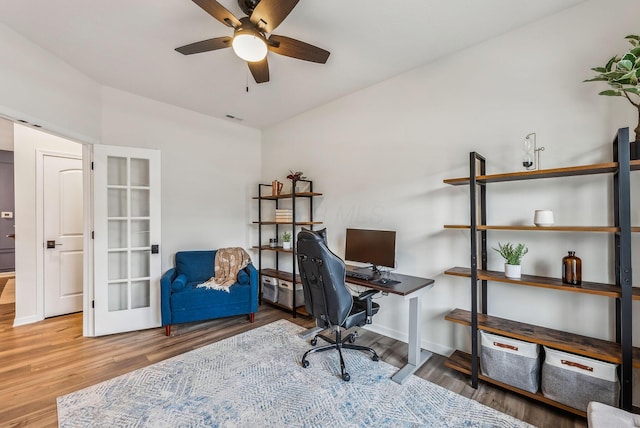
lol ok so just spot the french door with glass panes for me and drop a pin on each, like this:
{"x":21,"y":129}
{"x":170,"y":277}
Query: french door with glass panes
{"x":126,"y":215}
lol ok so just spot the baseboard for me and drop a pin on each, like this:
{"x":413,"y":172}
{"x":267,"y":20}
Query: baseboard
{"x":436,"y":348}
{"x":26,"y":320}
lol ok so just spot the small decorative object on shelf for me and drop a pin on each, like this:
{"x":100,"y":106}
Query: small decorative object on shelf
{"x":513,"y":257}
{"x":621,"y":73}
{"x":531,"y":159}
{"x":572,"y":269}
{"x":286,"y":240}
{"x":273,"y":243}
{"x":543,"y":218}
{"x":295,"y":177}
{"x":276,"y":187}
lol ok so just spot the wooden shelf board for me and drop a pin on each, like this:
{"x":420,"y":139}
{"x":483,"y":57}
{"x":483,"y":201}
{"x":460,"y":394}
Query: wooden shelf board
{"x":597,"y":288}
{"x":280,"y":274}
{"x":268,"y":248}
{"x":300,"y":310}
{"x":289,"y":195}
{"x":297,"y":223}
{"x":601,"y":168}
{"x":582,"y":345}
{"x":461,"y":361}
{"x":609,"y":229}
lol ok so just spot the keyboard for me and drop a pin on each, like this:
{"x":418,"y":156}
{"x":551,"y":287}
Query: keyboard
{"x":360,"y":275}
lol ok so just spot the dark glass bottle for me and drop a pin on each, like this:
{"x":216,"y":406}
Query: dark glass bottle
{"x":572,"y":269}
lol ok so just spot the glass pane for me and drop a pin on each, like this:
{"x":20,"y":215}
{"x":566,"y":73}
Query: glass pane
{"x":139,"y":203}
{"x":118,"y":265}
{"x":118,"y":300}
{"x":116,"y":171}
{"x":140,"y":233}
{"x":139,"y":172}
{"x":117,"y":203}
{"x":117,"y":234}
{"x":140,"y":294}
{"x":140,"y":264}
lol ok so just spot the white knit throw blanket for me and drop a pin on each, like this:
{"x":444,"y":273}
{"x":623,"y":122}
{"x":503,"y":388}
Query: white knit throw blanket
{"x":228,"y":263}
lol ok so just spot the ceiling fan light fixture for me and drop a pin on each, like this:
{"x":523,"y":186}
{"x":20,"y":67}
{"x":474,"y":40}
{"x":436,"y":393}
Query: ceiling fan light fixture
{"x":249,"y":45}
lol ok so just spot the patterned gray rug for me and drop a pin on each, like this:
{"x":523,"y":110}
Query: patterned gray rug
{"x":255,"y":379}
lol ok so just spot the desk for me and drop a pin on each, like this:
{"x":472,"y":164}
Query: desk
{"x":411,"y":288}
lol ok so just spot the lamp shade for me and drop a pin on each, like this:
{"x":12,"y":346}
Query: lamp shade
{"x":249,"y":46}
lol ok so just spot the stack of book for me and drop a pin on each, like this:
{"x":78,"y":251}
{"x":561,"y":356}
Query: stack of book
{"x":284,"y":216}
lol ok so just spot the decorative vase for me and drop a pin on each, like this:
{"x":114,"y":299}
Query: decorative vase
{"x":512,"y":271}
{"x":572,"y":269}
{"x":286,"y":245}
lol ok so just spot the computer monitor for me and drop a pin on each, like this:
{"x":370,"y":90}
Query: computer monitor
{"x":375,"y":247}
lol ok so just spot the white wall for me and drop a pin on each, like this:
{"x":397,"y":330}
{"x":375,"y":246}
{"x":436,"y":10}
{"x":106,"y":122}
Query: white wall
{"x":6,"y":135}
{"x":380,"y":156}
{"x":209,"y":168}
{"x":28,"y":142}
{"x":40,"y":88}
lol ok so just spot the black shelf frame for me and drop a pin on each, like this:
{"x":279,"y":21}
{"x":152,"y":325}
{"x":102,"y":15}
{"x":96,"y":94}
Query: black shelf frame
{"x":622,"y":241}
{"x":309,"y":195}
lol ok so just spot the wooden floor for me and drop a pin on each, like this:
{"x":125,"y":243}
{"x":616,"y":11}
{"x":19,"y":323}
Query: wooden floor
{"x":42,"y":361}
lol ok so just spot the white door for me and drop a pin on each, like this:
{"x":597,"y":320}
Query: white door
{"x":126,"y":189}
{"x":62,"y":227}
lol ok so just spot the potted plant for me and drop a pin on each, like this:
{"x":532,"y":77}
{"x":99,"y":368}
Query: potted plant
{"x":622,"y":74}
{"x":512,"y":256}
{"x":286,"y":240}
{"x":295,"y":177}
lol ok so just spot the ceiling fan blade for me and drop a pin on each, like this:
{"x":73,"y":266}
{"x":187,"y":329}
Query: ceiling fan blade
{"x":268,"y":14}
{"x":296,"y":49}
{"x":206,"y":45}
{"x":219,"y":12}
{"x":259,"y":70}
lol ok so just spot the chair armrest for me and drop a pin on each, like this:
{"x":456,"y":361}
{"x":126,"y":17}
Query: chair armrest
{"x":368,"y":295}
{"x":254,"y":281}
{"x":165,"y":295}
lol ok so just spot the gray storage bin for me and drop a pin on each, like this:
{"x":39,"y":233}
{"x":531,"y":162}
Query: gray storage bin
{"x":510,"y":361}
{"x":575,"y":380}
{"x":269,"y":288}
{"x":285,"y":294}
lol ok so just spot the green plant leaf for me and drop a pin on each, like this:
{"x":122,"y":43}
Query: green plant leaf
{"x":611,"y":93}
{"x":610,"y":63}
{"x":635,"y":51}
{"x":633,"y":37}
{"x":599,"y":69}
{"x":625,"y":64}
{"x":633,"y":90}
{"x":597,"y":79}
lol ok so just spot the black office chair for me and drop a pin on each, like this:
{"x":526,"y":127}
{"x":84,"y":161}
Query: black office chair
{"x":327,"y":298}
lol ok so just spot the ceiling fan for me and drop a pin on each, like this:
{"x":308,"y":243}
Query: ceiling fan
{"x":250,"y":41}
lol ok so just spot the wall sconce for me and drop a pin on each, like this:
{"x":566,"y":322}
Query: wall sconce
{"x":531,"y":158}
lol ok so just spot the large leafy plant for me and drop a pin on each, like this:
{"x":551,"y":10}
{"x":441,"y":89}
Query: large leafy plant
{"x":622,"y":74}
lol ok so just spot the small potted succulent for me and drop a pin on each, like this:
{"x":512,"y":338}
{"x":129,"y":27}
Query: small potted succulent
{"x":286,"y":240}
{"x":512,"y":255}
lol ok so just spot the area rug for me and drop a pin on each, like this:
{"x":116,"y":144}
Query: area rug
{"x":255,"y":379}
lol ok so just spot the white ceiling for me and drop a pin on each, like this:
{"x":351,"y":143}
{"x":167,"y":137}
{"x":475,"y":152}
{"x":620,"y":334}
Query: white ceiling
{"x":129,"y":45}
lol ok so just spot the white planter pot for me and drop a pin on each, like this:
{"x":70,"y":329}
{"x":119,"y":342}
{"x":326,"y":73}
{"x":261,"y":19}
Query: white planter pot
{"x":512,"y":271}
{"x":286,"y":245}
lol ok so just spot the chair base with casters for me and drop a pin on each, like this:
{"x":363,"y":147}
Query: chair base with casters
{"x":339,"y":343}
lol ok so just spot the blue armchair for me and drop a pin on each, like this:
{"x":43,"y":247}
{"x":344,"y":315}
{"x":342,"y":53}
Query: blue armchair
{"x":182,"y":301}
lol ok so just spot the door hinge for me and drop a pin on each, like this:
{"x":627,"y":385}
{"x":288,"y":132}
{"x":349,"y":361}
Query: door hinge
{"x":92,"y":165}
{"x":93,"y":304}
{"x":93,"y":236}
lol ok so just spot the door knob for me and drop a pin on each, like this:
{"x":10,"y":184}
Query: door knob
{"x":52,"y":244}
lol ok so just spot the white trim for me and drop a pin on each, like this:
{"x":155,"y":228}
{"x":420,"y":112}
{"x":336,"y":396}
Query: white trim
{"x":25,"y":320}
{"x":40,"y":154}
{"x":88,"y":312}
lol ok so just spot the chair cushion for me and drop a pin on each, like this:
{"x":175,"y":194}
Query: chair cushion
{"x":358,"y":314}
{"x":179,"y":283}
{"x":243,"y":277}
{"x":192,"y":297}
{"x":196,"y":265}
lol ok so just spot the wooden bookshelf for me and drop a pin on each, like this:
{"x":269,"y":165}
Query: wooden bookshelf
{"x":582,"y":345}
{"x":597,"y":288}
